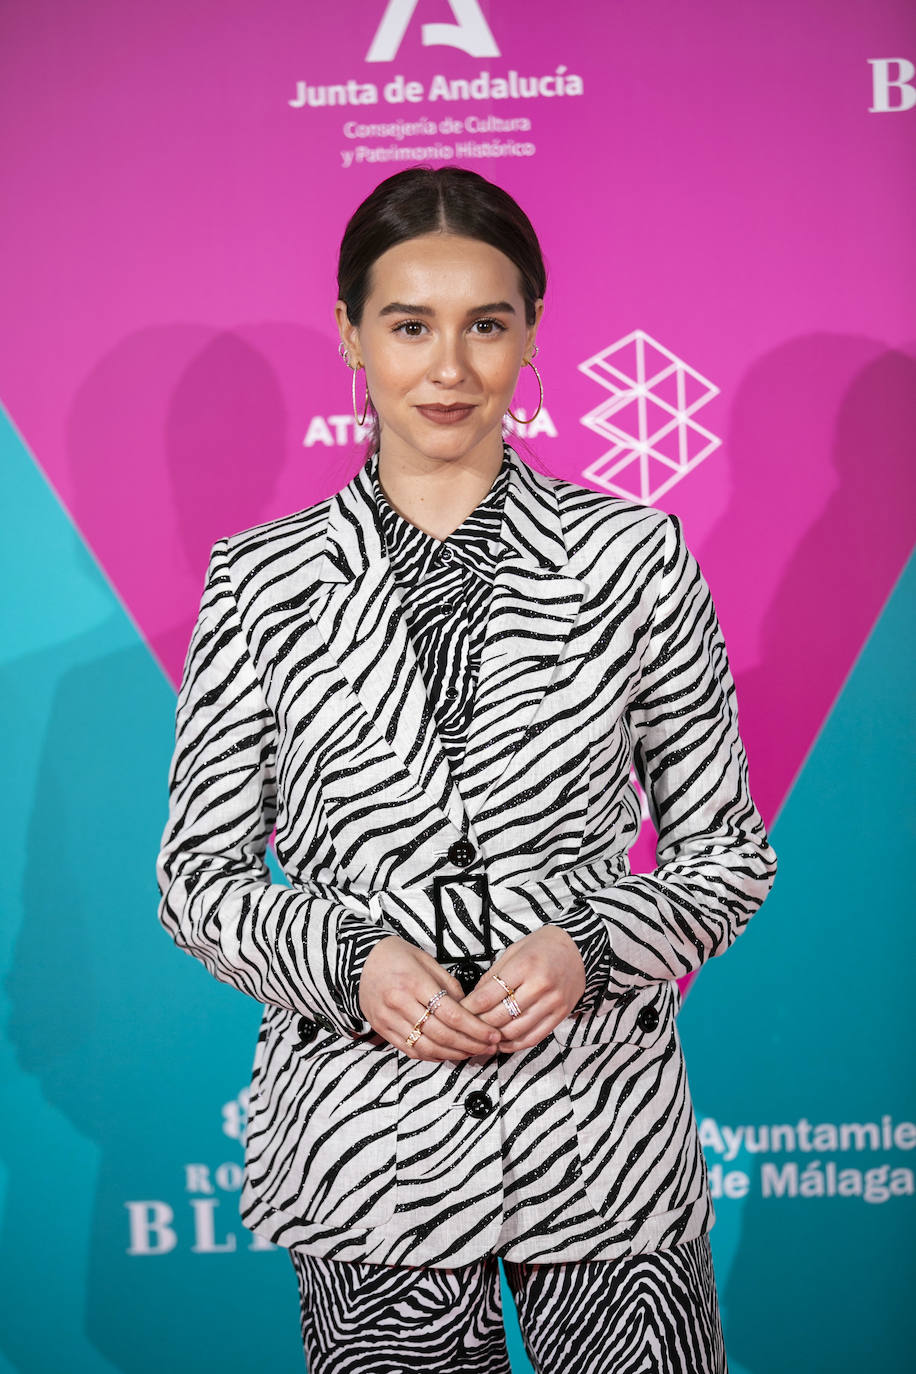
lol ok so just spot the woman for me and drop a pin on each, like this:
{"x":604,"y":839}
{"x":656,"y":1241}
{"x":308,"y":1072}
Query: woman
{"x":435,"y":683}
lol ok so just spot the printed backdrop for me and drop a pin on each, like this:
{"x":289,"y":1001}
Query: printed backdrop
{"x":725,"y":198}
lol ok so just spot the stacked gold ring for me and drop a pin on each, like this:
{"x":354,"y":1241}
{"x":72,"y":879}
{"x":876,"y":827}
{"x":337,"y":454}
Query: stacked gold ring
{"x":509,"y":1002}
{"x":417,"y":1029}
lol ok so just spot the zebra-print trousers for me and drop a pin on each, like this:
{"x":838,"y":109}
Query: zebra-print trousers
{"x":651,"y":1313}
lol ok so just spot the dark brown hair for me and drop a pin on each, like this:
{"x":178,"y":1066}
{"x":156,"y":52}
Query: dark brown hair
{"x":424,"y":200}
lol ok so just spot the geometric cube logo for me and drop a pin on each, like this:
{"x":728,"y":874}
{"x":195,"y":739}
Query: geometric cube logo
{"x":648,"y":418}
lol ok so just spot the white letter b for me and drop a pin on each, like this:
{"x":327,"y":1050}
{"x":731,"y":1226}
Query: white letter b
{"x":150,"y":1232}
{"x":882,"y":83}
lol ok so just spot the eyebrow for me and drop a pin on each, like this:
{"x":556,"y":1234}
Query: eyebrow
{"x":398,"y":308}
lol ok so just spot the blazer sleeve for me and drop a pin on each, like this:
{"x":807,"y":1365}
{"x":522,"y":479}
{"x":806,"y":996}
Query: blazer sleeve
{"x":218,"y":903}
{"x":715,"y":865}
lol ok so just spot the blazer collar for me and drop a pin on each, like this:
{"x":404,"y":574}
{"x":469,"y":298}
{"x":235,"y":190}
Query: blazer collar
{"x":534,"y":604}
{"x":532,"y":531}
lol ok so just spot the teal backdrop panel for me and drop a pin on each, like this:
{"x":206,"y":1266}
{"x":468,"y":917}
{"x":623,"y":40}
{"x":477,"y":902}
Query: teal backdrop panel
{"x":121,"y":1059}
{"x":807,"y":1025}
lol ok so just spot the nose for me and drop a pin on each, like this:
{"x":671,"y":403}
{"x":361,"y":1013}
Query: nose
{"x":448,"y":364}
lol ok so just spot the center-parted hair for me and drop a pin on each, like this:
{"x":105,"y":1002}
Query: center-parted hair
{"x":426,"y":200}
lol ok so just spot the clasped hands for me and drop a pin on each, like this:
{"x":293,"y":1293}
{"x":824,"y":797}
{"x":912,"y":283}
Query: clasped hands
{"x":544,"y":969}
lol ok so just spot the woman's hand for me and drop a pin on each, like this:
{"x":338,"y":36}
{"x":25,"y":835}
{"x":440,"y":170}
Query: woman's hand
{"x":397,"y":982}
{"x":546,"y":971}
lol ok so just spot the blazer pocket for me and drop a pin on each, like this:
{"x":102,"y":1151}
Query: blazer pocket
{"x":627,"y":1084}
{"x":322,"y":1130}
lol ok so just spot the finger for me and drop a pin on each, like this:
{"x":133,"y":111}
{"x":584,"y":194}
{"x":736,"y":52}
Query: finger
{"x":430,"y":1044}
{"x":440,"y":975}
{"x":444,"y":979}
{"x":448,"y":1042}
{"x":427,"y":990}
{"x":428,"y":1050}
{"x":518,"y":1028}
{"x":488,"y":994}
{"x":447,"y":1025}
{"x":549,"y":1004}
{"x":532,"y":1037}
{"x":433,"y":1053}
{"x":452,"y":1025}
{"x":523,"y":996}
{"x":503,"y":1020}
{"x":500,"y":1018}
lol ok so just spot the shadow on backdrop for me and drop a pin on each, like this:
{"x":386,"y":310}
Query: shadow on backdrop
{"x":805,"y":1016}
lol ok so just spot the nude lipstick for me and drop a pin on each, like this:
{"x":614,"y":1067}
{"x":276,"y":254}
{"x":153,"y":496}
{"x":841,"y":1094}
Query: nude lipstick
{"x":445,"y":415}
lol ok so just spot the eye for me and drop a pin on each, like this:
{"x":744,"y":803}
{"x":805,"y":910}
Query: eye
{"x":408,"y":327}
{"x":490,"y":326}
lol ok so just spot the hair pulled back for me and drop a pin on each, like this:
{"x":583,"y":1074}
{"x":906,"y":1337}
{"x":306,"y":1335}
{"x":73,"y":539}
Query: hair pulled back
{"x":426,"y":200}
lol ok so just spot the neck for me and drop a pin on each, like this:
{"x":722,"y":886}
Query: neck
{"x":437,"y":495}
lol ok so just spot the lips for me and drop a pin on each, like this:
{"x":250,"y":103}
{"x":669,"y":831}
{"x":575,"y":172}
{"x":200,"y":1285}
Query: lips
{"x":445,"y":415}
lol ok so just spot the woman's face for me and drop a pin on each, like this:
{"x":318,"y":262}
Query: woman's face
{"x":443,"y":326}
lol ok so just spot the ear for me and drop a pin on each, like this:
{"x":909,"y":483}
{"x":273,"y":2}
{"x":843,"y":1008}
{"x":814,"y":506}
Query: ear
{"x":349,"y":333}
{"x":532,"y":330}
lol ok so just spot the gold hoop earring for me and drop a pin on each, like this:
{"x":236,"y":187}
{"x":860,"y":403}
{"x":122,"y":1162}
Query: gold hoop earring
{"x":359,"y":422}
{"x":529,"y":363}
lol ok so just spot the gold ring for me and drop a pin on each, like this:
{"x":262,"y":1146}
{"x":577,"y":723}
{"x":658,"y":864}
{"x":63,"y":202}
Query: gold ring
{"x":416,"y":1030}
{"x":510,"y":992}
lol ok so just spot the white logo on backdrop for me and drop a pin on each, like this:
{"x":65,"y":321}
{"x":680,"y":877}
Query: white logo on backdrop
{"x":157,"y":1226}
{"x":648,"y":418}
{"x":235,"y":1116}
{"x":470,"y":32}
{"x":882,"y":83}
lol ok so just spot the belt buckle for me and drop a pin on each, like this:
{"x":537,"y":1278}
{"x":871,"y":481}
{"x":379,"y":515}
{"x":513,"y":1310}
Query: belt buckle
{"x":481,"y":886}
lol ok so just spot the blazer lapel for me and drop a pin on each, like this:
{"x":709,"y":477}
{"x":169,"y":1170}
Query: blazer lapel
{"x":532,"y":612}
{"x":360,"y":617}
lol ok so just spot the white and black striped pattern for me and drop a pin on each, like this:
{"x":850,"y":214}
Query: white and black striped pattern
{"x":445,"y":586}
{"x":302,"y":701}
{"x":656,"y":1313}
{"x":380,"y":1319}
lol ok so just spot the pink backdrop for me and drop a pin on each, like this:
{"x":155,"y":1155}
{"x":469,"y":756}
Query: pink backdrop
{"x":169,"y":276}
{"x":725,"y":197}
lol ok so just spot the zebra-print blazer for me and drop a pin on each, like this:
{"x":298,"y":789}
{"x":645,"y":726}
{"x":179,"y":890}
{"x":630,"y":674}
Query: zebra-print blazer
{"x":302,"y":704}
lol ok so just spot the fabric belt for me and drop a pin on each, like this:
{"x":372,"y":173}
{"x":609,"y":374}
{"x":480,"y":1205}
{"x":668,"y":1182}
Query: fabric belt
{"x":466,"y":912}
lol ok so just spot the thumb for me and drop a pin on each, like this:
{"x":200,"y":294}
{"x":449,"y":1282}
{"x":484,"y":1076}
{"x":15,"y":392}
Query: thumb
{"x":446,"y":979}
{"x":454,"y":987}
{"x":479,"y":998}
